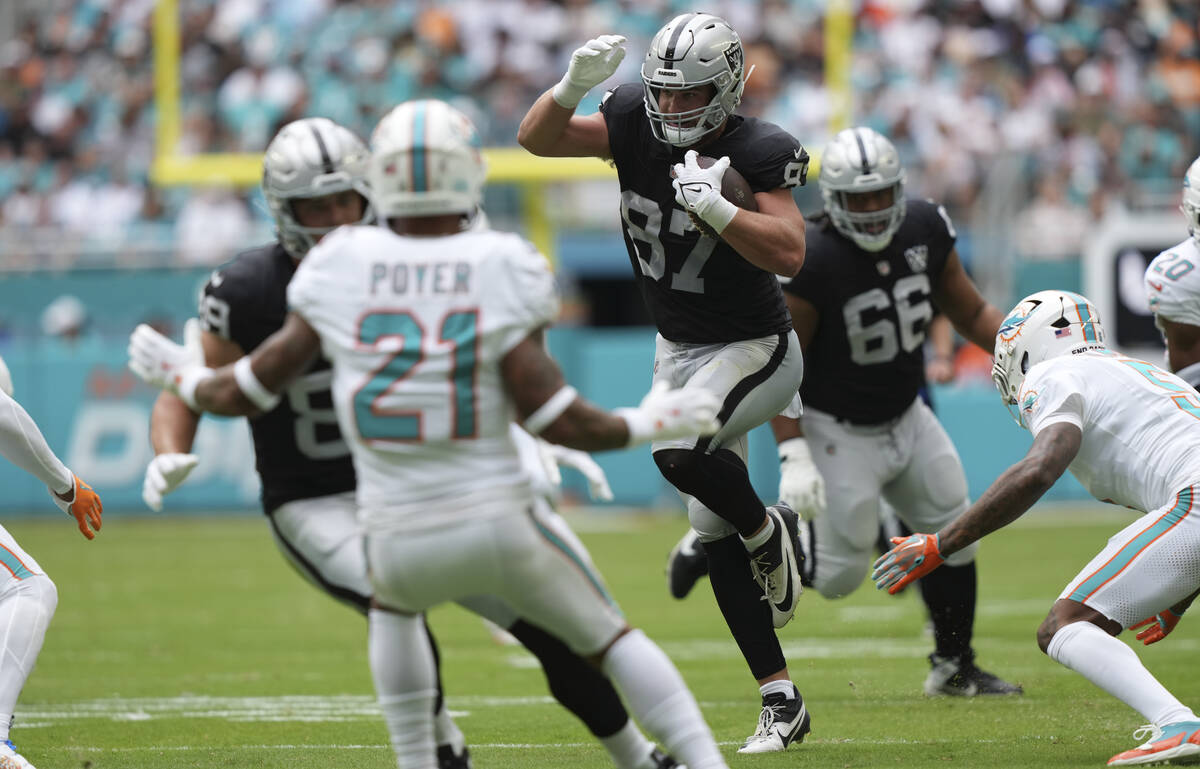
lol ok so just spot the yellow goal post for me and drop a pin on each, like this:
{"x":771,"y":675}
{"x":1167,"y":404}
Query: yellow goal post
{"x":506,"y":165}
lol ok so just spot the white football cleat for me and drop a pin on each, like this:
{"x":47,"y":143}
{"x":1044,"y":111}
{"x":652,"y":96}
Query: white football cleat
{"x":11,"y":759}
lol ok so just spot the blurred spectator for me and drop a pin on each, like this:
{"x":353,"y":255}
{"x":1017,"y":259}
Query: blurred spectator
{"x":1104,"y":95}
{"x":1051,"y":227}
{"x":65,"y":319}
{"x":212,"y":226}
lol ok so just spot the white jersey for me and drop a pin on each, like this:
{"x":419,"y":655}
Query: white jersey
{"x":416,"y":328}
{"x":1141,"y":425}
{"x":1173,"y":284}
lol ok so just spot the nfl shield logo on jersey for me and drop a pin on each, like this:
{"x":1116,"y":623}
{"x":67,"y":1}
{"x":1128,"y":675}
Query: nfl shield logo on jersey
{"x":917,"y":257}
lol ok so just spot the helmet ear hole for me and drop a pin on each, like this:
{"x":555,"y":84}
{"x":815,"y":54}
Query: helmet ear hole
{"x":1025,"y":362}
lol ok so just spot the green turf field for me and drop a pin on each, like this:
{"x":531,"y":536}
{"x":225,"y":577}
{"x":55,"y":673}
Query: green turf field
{"x":189,"y":643}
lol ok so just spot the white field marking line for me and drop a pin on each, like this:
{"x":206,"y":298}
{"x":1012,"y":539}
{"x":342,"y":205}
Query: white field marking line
{"x":513,"y":745}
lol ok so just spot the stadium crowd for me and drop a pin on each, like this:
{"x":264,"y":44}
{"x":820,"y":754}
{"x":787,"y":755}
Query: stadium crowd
{"x":1093,"y":98}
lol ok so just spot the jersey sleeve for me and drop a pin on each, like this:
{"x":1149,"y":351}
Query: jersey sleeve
{"x":309,"y":287}
{"x":1172,"y":285}
{"x":1050,"y":395}
{"x":620,"y":106}
{"x":777,"y":161}
{"x":227,"y":305}
{"x":522,"y":295}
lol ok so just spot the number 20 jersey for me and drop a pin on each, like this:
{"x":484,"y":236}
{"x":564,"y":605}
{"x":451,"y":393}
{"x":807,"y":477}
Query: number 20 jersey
{"x":698,"y":289}
{"x":416,"y":329}
{"x":1173,"y":284}
{"x":1140,"y":424}
{"x":298,"y":449}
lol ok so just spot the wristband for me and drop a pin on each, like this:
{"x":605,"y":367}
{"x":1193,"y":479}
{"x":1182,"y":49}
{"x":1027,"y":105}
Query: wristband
{"x":567,"y":94}
{"x":253,"y":389}
{"x":189,"y":379}
{"x":640,"y":425}
{"x":717,"y":212}
{"x":551,"y":410}
{"x":794,"y":448}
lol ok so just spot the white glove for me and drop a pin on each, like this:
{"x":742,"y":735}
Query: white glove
{"x":698,"y":190}
{"x":169,"y":366}
{"x":163,"y":475}
{"x":665,"y":414}
{"x":800,"y":483}
{"x":591,"y":64}
{"x":554,"y":455}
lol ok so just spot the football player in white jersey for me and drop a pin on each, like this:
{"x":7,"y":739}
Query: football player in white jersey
{"x":1173,"y":288}
{"x":27,"y":596}
{"x":434,"y":331}
{"x":1130,"y":432}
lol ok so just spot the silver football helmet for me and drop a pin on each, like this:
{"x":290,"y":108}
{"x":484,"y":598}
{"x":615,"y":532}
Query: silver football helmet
{"x":860,"y":160}
{"x":1191,"y":200}
{"x":1042,"y":326}
{"x":310,"y":158}
{"x":693,"y":49}
{"x":426,"y":160}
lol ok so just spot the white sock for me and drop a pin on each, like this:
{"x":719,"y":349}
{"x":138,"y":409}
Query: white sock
{"x":25,"y":612}
{"x":629,"y":748}
{"x":784,"y":687}
{"x":405,"y":684}
{"x":1114,"y":667}
{"x":658,"y":697}
{"x":758,"y":540}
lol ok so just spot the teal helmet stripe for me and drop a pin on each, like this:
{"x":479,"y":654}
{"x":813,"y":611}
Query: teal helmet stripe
{"x":420,"y":171}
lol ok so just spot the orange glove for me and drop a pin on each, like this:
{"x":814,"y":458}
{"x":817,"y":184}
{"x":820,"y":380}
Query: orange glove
{"x":1160,"y":625}
{"x":84,"y":504}
{"x":911,"y":558}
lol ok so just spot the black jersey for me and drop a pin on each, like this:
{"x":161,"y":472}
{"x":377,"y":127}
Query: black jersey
{"x":697,"y":289}
{"x":298,"y":447}
{"x":865,"y":363}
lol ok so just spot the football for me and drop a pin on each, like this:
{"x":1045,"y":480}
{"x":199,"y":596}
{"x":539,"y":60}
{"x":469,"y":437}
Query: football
{"x":734,"y":188}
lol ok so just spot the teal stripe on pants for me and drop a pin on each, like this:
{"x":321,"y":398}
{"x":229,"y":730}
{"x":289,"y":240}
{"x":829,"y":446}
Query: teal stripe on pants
{"x":1134,"y":548}
{"x":583,"y":566}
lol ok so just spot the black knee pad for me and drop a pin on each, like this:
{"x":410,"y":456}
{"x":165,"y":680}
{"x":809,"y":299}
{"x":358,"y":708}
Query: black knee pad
{"x":719,"y":480}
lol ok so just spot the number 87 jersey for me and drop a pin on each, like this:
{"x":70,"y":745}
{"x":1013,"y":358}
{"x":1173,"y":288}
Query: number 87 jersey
{"x":416,"y":329}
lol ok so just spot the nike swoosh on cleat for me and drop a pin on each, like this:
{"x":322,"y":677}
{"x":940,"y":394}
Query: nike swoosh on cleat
{"x":787,"y":597}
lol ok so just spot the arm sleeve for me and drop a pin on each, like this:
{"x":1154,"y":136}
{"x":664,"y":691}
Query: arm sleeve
{"x":1050,"y":396}
{"x":22,"y":443}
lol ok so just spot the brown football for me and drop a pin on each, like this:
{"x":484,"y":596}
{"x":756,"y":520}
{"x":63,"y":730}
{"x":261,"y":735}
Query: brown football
{"x":734,"y":186}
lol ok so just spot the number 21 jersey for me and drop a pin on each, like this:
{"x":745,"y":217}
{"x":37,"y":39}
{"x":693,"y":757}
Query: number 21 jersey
{"x":416,"y":329}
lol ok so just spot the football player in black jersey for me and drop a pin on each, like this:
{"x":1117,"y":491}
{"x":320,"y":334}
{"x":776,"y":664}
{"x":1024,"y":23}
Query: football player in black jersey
{"x":313,"y":182}
{"x":716,"y":301}
{"x":876,"y":265}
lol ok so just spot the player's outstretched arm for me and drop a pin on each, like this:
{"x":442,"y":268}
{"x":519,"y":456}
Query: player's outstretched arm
{"x":22,"y":443}
{"x":551,"y":128}
{"x":1006,"y":500}
{"x":973,"y":316}
{"x":548,"y":407}
{"x":249,"y":386}
{"x":173,"y":429}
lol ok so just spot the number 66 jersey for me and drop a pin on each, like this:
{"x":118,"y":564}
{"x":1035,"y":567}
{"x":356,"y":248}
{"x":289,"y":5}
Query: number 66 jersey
{"x":416,"y":329}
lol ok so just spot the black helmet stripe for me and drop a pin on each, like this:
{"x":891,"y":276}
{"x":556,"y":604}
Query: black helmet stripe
{"x":862,"y":150}
{"x":669,"y":54}
{"x":325,"y":159}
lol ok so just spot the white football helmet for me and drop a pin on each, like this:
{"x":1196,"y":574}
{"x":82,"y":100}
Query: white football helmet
{"x":693,"y":49}
{"x":1042,"y":326}
{"x":6,"y":383}
{"x":426,"y":160}
{"x":1191,"y":200}
{"x":310,"y":158}
{"x":862,"y":160}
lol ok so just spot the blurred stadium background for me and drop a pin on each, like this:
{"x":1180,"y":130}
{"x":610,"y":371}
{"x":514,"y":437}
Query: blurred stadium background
{"x":1055,"y":131}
